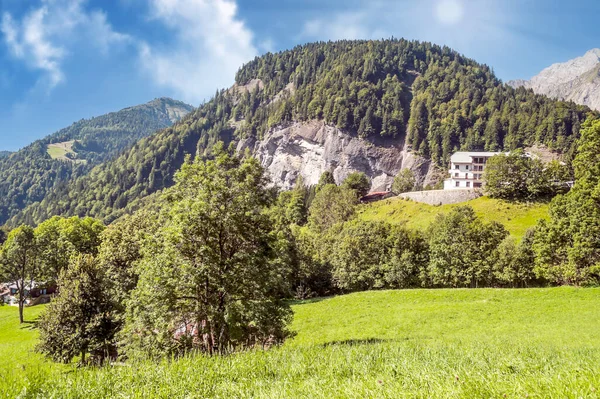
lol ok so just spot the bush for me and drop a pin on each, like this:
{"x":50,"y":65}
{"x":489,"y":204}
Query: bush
{"x":404,"y":181}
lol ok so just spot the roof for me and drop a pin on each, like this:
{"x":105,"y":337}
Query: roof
{"x":465,"y":157}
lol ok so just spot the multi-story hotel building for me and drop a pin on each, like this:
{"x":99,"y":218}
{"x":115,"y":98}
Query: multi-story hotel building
{"x":466,"y":170}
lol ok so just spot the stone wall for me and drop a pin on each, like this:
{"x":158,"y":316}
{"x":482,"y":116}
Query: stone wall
{"x":442,"y":197}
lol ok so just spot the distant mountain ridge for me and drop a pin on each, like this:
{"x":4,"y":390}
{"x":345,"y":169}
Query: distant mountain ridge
{"x":4,"y":154}
{"x":577,"y":80}
{"x":27,"y":175}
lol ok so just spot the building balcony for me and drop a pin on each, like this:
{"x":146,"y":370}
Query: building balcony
{"x":465,"y":178}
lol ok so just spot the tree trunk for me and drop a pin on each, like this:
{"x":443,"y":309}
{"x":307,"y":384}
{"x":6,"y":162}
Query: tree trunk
{"x":21,"y":311}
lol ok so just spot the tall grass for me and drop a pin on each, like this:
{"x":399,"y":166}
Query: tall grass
{"x":486,"y":343}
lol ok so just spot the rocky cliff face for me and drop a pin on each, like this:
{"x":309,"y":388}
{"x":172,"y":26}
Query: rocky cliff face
{"x":308,"y":149}
{"x":577,"y":80}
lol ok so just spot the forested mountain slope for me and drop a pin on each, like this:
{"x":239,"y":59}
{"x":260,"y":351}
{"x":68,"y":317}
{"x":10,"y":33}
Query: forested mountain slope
{"x":4,"y":154}
{"x":425,"y":99}
{"x":27,"y":175}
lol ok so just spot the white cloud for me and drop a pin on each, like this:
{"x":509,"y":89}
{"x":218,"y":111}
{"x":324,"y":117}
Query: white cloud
{"x":449,"y":12}
{"x":345,"y":25}
{"x":43,"y":36}
{"x":472,"y":27}
{"x":30,"y":43}
{"x":210,"y":44}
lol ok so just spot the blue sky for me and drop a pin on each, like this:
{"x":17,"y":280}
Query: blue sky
{"x":63,"y":60}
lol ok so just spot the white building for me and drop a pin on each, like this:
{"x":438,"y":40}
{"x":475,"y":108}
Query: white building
{"x":466,"y":170}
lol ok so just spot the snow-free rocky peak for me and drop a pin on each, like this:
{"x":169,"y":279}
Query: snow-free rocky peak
{"x":577,"y":80}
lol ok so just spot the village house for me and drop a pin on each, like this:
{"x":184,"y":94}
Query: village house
{"x":466,"y":170}
{"x":35,"y":293}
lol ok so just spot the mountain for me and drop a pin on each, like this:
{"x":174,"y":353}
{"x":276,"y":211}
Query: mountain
{"x":26,"y":176}
{"x":576,"y":80}
{"x":4,"y":154}
{"x":370,"y":106}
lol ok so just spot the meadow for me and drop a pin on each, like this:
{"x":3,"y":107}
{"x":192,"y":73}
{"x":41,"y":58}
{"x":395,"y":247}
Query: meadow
{"x":450,"y":343}
{"x":517,"y":217}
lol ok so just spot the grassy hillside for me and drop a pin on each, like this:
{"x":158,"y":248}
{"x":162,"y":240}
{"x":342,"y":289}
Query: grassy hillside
{"x":517,"y":217}
{"x":535,"y":343}
{"x":61,"y":150}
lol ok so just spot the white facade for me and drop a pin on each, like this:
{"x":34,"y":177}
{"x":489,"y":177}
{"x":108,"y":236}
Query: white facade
{"x":466,"y":170}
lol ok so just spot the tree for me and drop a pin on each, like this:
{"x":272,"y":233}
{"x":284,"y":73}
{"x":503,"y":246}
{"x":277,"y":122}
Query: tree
{"x":516,"y":176}
{"x":406,"y":265}
{"x":567,"y":247}
{"x":80,"y":319}
{"x":291,"y":207}
{"x":332,"y":204}
{"x":358,"y":257}
{"x":59,"y":239}
{"x":404,"y":181}
{"x":514,"y":263}
{"x":505,"y":176}
{"x":359,"y":182}
{"x":325,"y":179}
{"x":121,"y":249}
{"x":208,"y":279}
{"x":461,"y":249}
{"x":18,"y":262}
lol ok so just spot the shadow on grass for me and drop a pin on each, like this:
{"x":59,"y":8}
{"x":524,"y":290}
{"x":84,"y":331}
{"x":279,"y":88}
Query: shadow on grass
{"x":355,"y":342}
{"x":29,"y":325}
{"x":295,"y":302}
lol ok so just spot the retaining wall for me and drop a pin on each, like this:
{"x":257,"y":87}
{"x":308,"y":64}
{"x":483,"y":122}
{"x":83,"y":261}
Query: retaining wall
{"x":442,"y":197}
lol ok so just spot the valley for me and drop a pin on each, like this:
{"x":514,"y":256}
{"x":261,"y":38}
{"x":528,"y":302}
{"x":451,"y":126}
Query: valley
{"x":231,"y":250}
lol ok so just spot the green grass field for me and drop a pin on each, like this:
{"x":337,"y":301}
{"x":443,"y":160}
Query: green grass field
{"x":61,"y":150}
{"x":517,"y":217}
{"x":455,"y":343}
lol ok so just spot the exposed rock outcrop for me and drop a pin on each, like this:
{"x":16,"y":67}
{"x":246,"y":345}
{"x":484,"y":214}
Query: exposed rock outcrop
{"x":577,"y":80}
{"x":311,"y":148}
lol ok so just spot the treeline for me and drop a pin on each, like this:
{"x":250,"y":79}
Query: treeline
{"x":210,"y":266}
{"x":27,"y":176}
{"x":375,"y":89}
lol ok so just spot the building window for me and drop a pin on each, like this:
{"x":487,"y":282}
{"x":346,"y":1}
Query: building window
{"x":456,"y":175}
{"x":467,"y":167}
{"x":468,"y":184}
{"x":477,"y":185}
{"x":457,"y":184}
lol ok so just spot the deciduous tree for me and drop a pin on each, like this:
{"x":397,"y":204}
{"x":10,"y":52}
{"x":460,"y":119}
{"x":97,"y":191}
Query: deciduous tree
{"x":18,"y":262}
{"x":359,"y":182}
{"x":404,"y":181}
{"x":208,"y":278}
{"x":80,"y":319}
